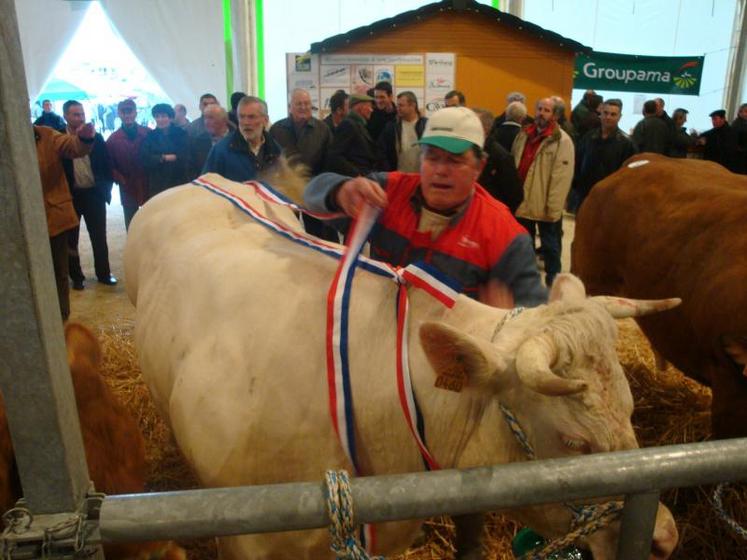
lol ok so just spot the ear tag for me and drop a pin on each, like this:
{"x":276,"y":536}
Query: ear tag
{"x":451,"y":380}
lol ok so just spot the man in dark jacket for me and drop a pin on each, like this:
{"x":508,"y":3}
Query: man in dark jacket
{"x":165,"y":152}
{"x":398,"y":141}
{"x":241,"y":155}
{"x":90,"y":181}
{"x":740,"y":127}
{"x":339,"y":105}
{"x":303,"y":137}
{"x":652,"y":134}
{"x":217,"y":127}
{"x":124,"y":150}
{"x":720,"y":142}
{"x":353,"y":152}
{"x":681,"y":140}
{"x":601,"y":151}
{"x":499,"y":176}
{"x":385,"y":111}
{"x":50,"y":118}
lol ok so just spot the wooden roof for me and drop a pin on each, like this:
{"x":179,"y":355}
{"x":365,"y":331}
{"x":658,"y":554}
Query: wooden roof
{"x":465,"y":6}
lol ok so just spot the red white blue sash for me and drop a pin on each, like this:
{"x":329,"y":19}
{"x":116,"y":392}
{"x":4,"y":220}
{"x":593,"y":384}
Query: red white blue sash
{"x":420,"y":275}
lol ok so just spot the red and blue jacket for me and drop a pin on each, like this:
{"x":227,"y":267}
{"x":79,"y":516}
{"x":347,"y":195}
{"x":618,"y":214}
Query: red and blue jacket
{"x":482,"y":241}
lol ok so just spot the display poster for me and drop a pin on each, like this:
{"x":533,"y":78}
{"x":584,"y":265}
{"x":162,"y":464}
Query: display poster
{"x":439,"y":79}
{"x":429,"y":76}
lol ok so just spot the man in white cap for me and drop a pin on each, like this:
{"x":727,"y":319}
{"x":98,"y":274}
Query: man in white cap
{"x":442,"y":216}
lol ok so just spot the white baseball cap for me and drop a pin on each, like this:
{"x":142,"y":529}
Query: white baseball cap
{"x":454,"y":129}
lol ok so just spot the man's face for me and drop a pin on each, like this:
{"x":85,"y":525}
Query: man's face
{"x":180,"y":111}
{"x":717,"y":121}
{"x":679,"y":119}
{"x":300,"y":107}
{"x":610,"y":117}
{"x":659,"y":107}
{"x":127,"y":114}
{"x":452,"y":101}
{"x":382,"y":99}
{"x":75,"y":117}
{"x":47,"y":106}
{"x":207,"y":101}
{"x":446,"y":179}
{"x":364,"y":109}
{"x":162,"y":120}
{"x":544,"y":115}
{"x":742,"y":113}
{"x":252,"y":121}
{"x":214,"y":124}
{"x":406,"y":109}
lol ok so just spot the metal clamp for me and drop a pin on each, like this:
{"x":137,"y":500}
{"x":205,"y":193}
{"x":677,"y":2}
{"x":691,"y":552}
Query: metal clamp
{"x":59,"y":536}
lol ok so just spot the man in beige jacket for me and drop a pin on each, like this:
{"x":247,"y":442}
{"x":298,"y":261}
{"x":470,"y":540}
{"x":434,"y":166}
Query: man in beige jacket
{"x":544,"y":158}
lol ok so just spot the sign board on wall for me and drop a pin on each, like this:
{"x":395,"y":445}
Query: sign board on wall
{"x":679,"y":75}
{"x":429,"y":76}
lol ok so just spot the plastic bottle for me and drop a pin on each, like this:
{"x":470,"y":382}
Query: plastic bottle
{"x":527,"y":541}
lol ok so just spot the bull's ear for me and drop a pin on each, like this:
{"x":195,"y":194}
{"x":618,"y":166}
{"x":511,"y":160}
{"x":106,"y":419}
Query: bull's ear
{"x":461,"y":360}
{"x":567,"y":287}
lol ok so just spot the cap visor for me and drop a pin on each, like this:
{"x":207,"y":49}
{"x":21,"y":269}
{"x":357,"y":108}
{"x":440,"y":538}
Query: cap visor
{"x":453,"y":145}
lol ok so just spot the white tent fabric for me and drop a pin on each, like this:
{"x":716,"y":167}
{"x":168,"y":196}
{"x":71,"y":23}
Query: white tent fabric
{"x":45,"y":28}
{"x":180,"y":42}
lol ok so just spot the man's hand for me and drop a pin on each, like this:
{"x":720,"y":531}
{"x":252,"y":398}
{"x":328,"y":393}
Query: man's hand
{"x":168,"y":157}
{"x":354,"y":192}
{"x":86,"y":132}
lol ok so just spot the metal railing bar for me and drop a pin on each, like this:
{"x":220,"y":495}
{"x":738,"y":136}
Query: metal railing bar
{"x":285,"y":507}
{"x":637,"y":526}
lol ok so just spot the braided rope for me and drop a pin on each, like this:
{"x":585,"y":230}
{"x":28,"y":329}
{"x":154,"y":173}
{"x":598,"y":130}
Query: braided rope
{"x":345,"y":543}
{"x":718,"y":506}
{"x":586,"y":519}
{"x":591,"y":520}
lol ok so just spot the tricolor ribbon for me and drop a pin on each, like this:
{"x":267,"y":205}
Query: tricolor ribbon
{"x":420,"y":275}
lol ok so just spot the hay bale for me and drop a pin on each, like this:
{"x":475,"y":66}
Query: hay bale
{"x":670,"y":408}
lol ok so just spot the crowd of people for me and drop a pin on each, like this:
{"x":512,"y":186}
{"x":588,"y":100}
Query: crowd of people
{"x":376,"y":147}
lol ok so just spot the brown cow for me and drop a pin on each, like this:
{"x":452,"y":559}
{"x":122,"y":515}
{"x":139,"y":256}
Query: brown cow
{"x":675,"y":227}
{"x":115,"y":449}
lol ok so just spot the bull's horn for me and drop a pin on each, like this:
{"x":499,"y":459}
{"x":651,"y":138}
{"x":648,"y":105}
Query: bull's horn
{"x":533,"y":361}
{"x":620,"y":308}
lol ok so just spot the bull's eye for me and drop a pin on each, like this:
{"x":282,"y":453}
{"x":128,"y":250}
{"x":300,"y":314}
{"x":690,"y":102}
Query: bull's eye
{"x":576,"y":444}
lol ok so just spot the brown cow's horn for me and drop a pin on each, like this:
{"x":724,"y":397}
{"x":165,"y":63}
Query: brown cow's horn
{"x":533,"y":368}
{"x":620,"y":308}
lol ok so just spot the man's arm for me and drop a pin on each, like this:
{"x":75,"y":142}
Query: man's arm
{"x":332,"y":192}
{"x":71,"y":146}
{"x":516,"y":275}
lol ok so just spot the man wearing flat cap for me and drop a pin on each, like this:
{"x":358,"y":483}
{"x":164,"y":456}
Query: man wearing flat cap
{"x":441,"y":215}
{"x":353,"y":151}
{"x":720,"y":143}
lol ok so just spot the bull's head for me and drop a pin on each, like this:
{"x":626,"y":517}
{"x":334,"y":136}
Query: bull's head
{"x":555,"y":367}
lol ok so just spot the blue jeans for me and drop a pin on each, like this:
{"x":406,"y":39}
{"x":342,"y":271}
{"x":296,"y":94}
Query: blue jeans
{"x":551,"y":240}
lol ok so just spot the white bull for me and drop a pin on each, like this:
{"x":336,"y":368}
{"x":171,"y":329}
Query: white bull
{"x":231,"y":339}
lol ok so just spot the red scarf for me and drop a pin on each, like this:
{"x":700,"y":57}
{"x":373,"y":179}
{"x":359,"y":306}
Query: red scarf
{"x":534,"y":139}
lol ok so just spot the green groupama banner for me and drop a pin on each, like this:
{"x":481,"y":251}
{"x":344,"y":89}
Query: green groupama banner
{"x":680,"y":75}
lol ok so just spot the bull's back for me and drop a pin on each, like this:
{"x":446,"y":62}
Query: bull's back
{"x":670,"y":228}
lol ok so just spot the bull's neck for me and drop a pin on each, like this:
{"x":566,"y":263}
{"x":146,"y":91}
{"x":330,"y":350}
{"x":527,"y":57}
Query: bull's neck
{"x":455,"y":422}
